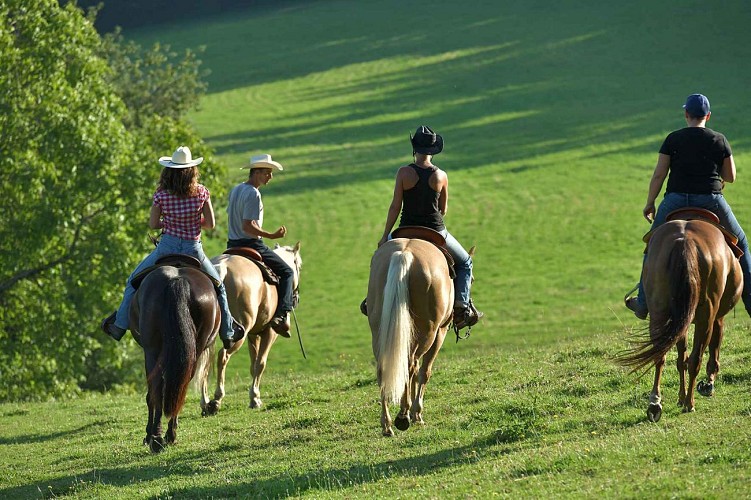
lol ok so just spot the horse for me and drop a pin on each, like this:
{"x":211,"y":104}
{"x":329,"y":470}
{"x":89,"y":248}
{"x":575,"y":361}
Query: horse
{"x":690,"y":275}
{"x":410,"y":306}
{"x":174,"y":317}
{"x":252,"y":302}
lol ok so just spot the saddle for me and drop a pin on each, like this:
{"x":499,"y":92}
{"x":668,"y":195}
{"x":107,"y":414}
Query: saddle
{"x":695,"y":213}
{"x":429,"y":235}
{"x":174,"y":260}
{"x":269,"y":276}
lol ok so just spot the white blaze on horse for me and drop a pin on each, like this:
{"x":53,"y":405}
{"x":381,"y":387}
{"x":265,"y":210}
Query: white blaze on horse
{"x":252,"y":302}
{"x":691,"y":275}
{"x":410,"y":305}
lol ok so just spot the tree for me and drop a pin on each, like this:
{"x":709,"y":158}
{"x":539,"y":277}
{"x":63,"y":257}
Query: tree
{"x":78,"y":149}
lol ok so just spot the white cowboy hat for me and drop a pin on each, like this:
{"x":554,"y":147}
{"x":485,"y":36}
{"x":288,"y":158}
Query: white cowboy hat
{"x":181,"y":158}
{"x":263,"y":161}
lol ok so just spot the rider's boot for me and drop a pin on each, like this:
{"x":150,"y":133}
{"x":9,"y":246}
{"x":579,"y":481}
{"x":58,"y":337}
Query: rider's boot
{"x":364,"y":306}
{"x":110,"y":328}
{"x":466,"y":315}
{"x":280,"y":324}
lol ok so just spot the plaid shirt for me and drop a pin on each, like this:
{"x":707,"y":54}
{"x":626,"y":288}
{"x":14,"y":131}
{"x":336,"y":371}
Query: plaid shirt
{"x":181,"y":217}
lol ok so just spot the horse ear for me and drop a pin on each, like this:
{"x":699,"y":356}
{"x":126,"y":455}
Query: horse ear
{"x":297,"y":247}
{"x":472,"y":251}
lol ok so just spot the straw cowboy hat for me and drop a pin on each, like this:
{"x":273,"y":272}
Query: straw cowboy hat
{"x":425,"y":141}
{"x":181,"y":158}
{"x":263,"y":161}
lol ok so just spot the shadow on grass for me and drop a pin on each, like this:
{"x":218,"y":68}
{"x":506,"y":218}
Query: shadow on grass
{"x":43,"y":438}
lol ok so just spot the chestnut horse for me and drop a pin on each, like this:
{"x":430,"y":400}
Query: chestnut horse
{"x":410,"y":305}
{"x":690,"y":276}
{"x":174,"y":316}
{"x":253,"y":303}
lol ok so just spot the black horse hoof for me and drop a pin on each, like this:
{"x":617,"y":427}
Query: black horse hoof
{"x":401,"y":423}
{"x":654,"y":412}
{"x":705,"y":388}
{"x":211,"y":409}
{"x":157,"y":444}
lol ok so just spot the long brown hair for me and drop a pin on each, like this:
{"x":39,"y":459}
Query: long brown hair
{"x":182,"y":182}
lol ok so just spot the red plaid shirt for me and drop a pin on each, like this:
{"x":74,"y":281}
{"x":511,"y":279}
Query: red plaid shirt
{"x":182,"y":216}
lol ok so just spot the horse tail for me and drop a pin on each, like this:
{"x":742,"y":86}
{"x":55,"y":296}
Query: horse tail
{"x":178,"y":346}
{"x":685,"y":280}
{"x":395,"y":329}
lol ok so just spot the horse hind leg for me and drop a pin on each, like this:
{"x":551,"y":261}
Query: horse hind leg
{"x":423,"y":377}
{"x":681,"y":363}
{"x":702,"y":334}
{"x":171,"y":436}
{"x":402,"y":420}
{"x":654,"y":410}
{"x":713,"y":363}
{"x":222,"y":358}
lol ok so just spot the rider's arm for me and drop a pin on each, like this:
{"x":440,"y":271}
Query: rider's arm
{"x":252,"y":228}
{"x":655,"y":185}
{"x":155,"y":217}
{"x":208,"y":221}
{"x":443,"y":197}
{"x":728,"y":169}
{"x":395,"y":207}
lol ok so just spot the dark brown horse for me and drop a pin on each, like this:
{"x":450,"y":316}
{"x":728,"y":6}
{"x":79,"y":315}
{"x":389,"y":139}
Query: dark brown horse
{"x":690,"y":276}
{"x":174,"y":317}
{"x":410,"y":305}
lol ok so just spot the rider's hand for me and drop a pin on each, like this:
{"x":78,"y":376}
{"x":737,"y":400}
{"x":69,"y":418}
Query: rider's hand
{"x":649,"y":212}
{"x":280,"y":233}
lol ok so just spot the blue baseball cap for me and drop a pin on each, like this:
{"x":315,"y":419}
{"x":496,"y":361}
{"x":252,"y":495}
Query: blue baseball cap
{"x":697,"y":105}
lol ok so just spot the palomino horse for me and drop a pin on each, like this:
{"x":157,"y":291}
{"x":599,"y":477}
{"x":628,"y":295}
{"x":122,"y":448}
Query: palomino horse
{"x":690,"y":276}
{"x":174,"y":316}
{"x":410,"y":305}
{"x":253,"y":303}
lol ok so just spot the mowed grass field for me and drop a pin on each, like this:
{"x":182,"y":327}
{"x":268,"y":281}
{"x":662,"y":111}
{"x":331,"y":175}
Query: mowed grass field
{"x":552,"y":116}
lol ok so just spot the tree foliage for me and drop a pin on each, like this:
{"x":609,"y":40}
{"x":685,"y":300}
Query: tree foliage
{"x":82,"y":122}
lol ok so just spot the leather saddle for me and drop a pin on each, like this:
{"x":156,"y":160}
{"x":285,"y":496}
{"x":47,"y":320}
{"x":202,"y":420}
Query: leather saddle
{"x":251,"y":254}
{"x":695,"y":213}
{"x":174,"y":260}
{"x":427,"y":234}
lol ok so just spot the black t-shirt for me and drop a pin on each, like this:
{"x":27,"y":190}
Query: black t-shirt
{"x":696,"y":157}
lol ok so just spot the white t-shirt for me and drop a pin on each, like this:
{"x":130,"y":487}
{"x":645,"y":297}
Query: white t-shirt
{"x":244,"y":204}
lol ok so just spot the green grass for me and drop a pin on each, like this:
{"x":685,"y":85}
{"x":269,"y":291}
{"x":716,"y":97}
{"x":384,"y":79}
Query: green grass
{"x":552,"y":114}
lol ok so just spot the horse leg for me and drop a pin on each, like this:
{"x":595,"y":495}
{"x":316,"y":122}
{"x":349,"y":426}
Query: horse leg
{"x":713,"y":363}
{"x":702,"y":334}
{"x":426,"y":370}
{"x":654,"y":410}
{"x":681,"y":365}
{"x":222,"y":358}
{"x":402,"y":419}
{"x":262,"y":346}
{"x":171,"y":435}
{"x":154,"y":403}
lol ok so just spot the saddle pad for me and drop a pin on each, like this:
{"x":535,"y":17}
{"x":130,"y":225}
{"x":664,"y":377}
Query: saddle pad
{"x":269,"y":276}
{"x":173,"y":260}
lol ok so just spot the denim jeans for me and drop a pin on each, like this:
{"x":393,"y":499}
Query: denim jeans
{"x":172,"y":244}
{"x":278,"y":265}
{"x":463,"y":261}
{"x":716,"y":204}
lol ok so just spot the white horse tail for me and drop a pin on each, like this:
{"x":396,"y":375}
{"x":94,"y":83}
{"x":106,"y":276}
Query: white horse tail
{"x":395,"y":329}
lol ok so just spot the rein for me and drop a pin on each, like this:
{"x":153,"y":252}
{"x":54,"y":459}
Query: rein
{"x":459,"y":336}
{"x":295,"y":302}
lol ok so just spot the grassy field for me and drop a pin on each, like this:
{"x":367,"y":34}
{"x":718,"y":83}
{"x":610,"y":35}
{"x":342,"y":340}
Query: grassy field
{"x":552,"y":115}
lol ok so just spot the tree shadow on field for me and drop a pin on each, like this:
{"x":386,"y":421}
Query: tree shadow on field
{"x":286,"y":485}
{"x":42,"y":438}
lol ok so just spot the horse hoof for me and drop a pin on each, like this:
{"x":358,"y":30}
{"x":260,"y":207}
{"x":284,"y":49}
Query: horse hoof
{"x":705,"y":388}
{"x":255,"y":403}
{"x":212,"y":408}
{"x":157,"y":445}
{"x":388,"y":432}
{"x":654,"y":412}
{"x":401,"y":423}
{"x":688,"y":409}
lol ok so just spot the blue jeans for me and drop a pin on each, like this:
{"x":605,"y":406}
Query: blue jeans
{"x":172,"y":244}
{"x":716,"y":204}
{"x":463,"y":267}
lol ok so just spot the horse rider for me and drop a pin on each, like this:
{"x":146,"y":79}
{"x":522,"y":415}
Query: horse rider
{"x":697,"y":162}
{"x":421,"y":195}
{"x":245,"y":211}
{"x":181,"y":207}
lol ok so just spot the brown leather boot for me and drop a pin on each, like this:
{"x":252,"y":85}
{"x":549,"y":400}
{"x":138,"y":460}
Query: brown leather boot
{"x":109,"y":327}
{"x":466,"y":315}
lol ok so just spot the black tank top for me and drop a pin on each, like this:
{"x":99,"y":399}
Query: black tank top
{"x":420,"y":203}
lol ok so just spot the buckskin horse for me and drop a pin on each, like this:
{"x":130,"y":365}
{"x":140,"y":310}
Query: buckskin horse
{"x":691,"y":275}
{"x":410,"y":305}
{"x":253,"y":302}
{"x":174,"y":316}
